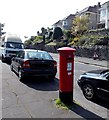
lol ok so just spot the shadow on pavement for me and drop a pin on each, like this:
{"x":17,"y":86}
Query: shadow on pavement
{"x":102,"y":102}
{"x":83,"y":112}
{"x":8,"y":62}
{"x":42,"y":84}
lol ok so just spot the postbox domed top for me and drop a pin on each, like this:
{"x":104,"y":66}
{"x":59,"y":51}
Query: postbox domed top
{"x":66,"y":49}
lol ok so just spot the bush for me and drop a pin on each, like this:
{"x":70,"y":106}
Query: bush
{"x":51,"y":44}
{"x":60,"y":44}
{"x":57,"y":34}
{"x":81,"y":42}
{"x":28,"y":42}
{"x":38,"y":39}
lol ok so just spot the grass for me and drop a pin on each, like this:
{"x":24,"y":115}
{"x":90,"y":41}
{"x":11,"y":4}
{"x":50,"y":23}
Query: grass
{"x":51,"y":44}
{"x":61,"y":105}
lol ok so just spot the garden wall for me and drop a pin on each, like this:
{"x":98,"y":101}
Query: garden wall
{"x":102,"y":51}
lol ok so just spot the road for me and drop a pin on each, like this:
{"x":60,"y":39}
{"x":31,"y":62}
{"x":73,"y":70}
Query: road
{"x":35,"y":98}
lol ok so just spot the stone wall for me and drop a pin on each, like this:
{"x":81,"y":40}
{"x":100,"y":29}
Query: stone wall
{"x":101,"y":51}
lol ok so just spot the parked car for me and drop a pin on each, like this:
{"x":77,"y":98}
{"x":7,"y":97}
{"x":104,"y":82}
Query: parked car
{"x":30,"y":62}
{"x":95,"y":84}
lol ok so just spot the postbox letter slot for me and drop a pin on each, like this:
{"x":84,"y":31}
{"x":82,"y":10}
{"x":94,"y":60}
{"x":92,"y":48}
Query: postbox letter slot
{"x":69,"y":58}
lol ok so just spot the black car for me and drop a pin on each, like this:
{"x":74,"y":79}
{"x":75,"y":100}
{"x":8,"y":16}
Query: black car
{"x":95,"y":84}
{"x":29,"y":62}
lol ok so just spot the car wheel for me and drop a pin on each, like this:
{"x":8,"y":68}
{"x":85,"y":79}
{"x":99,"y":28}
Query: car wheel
{"x":21,"y":77}
{"x":88,"y":91}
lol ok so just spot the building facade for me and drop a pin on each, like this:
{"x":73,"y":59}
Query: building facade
{"x":104,"y":16}
{"x":66,"y":23}
{"x":93,"y":14}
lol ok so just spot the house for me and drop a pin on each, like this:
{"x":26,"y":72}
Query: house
{"x":104,"y":16}
{"x":93,"y":13}
{"x":66,"y":23}
{"x":57,"y":24}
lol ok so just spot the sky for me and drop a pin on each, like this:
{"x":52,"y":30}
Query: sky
{"x":26,"y":17}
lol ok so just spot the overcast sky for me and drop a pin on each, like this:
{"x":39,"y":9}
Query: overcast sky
{"x":26,"y":17}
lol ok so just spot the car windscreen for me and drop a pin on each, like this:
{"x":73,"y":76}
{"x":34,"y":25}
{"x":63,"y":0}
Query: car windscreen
{"x":105,"y":71}
{"x":38,"y":55}
{"x":14,"y":45}
{"x":106,"y":74}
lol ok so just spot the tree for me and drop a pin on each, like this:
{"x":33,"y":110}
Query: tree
{"x":80,"y":25}
{"x":68,"y":34}
{"x":57,"y":33}
{"x":44,"y":31}
{"x":38,"y":33}
{"x":32,"y":38}
{"x":27,"y":43}
{"x":50,"y":35}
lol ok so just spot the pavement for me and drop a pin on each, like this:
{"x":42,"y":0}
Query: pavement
{"x":97,"y":62}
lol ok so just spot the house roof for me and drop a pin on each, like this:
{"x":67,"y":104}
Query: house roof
{"x":69,"y":16}
{"x":105,"y":2}
{"x":89,"y":9}
{"x":57,"y":22}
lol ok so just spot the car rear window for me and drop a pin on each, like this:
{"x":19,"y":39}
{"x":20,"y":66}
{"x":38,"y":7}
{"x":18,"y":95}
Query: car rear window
{"x":38,"y":55}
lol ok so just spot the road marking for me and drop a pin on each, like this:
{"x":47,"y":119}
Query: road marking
{"x":91,"y":65}
{"x":82,"y":71}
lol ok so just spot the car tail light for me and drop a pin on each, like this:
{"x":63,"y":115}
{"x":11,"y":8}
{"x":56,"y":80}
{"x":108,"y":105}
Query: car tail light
{"x":26,"y":64}
{"x":55,"y":64}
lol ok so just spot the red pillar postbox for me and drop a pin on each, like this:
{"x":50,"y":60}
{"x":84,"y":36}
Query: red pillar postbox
{"x":66,"y":73}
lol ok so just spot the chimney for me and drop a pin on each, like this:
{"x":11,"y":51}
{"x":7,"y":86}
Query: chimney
{"x":99,"y":5}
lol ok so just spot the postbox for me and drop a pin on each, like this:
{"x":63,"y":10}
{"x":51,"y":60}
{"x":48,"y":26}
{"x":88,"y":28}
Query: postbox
{"x":66,"y":73}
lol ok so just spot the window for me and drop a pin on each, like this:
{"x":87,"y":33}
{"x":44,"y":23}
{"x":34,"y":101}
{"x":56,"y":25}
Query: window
{"x":14,"y":45}
{"x":88,"y":14}
{"x":103,"y":15}
{"x":65,"y":23}
{"x":38,"y":55}
{"x":20,"y":54}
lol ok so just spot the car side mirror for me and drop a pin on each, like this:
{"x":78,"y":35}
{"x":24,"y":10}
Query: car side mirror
{"x":2,"y":45}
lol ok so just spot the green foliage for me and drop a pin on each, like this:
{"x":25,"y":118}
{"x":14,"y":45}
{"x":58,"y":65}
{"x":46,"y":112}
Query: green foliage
{"x":57,"y":33}
{"x":68,"y":34}
{"x":90,"y":40}
{"x":38,"y":38}
{"x":51,"y":44}
{"x":81,"y":42}
{"x":80,"y":25}
{"x":60,"y":104}
{"x":60,"y":44}
{"x":28,"y":42}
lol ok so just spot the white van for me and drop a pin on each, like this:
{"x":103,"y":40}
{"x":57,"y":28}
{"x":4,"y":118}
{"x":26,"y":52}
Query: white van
{"x":10,"y":45}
